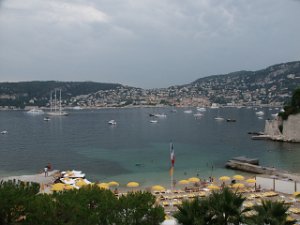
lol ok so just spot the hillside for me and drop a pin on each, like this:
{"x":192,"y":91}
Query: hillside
{"x":273,"y":86}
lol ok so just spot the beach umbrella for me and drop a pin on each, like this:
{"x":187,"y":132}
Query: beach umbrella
{"x":224,"y":178}
{"x":69,"y":187}
{"x":133,"y":184}
{"x":158,"y":188}
{"x":113,"y":184}
{"x":238,"y":185}
{"x":103,"y":185}
{"x":251,"y":181}
{"x":58,"y":187}
{"x":213,"y":187}
{"x":297,"y":194}
{"x":183,"y":182}
{"x":194,"y":179}
{"x":80,"y":183}
{"x":238,"y":177}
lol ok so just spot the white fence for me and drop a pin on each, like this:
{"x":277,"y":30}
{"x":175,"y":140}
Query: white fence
{"x":284,"y":186}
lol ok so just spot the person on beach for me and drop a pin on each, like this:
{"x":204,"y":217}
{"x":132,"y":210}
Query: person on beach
{"x":46,"y":171}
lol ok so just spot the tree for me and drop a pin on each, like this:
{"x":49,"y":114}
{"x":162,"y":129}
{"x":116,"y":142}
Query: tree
{"x":138,"y":208}
{"x":269,"y":212}
{"x":220,"y":208}
{"x":226,"y":207}
{"x":195,"y":212}
{"x":14,"y":196}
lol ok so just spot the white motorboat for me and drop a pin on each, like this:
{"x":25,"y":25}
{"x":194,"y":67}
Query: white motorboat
{"x":188,"y":111}
{"x":201,"y":109}
{"x":219,"y":118}
{"x":35,"y":111}
{"x":160,"y":115}
{"x":153,"y":121}
{"x":214,"y":106}
{"x":112,"y":122}
{"x":4,"y":132}
{"x":47,"y":118}
{"x":260,"y":113}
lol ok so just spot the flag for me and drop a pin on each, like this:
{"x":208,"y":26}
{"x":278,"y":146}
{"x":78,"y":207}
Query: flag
{"x":172,"y":155}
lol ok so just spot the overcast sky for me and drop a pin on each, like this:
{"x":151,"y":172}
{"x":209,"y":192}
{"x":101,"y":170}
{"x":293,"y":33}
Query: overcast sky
{"x":144,"y":43}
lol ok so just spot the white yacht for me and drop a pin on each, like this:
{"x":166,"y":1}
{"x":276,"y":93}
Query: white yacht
{"x":112,"y":122}
{"x":201,"y":109}
{"x":214,"y":106}
{"x":46,"y":118}
{"x":35,"y":111}
{"x":153,"y":121}
{"x":219,"y":118}
{"x":55,"y":107}
{"x":260,"y":113}
{"x":4,"y":132}
{"x":188,"y":111}
{"x":160,"y":115}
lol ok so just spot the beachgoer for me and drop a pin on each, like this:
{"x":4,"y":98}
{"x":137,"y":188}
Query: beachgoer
{"x":49,"y":166}
{"x":46,"y":171}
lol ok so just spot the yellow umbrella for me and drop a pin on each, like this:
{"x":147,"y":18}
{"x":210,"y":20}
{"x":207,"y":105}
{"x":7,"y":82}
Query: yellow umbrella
{"x":158,"y":188}
{"x":68,"y":187}
{"x":251,"y":181}
{"x":113,"y":184}
{"x":103,"y":185}
{"x":183,"y":182}
{"x":80,"y":183}
{"x":213,"y":187}
{"x":224,"y":178}
{"x":194,"y":179}
{"x":238,"y":177}
{"x":238,"y":185}
{"x":58,"y":187}
{"x":297,"y":194}
{"x":133,"y":184}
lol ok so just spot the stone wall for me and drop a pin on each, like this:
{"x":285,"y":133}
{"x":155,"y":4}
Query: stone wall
{"x":291,"y":128}
{"x":272,"y":127}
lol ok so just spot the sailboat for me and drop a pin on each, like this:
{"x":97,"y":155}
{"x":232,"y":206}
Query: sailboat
{"x":56,"y":111}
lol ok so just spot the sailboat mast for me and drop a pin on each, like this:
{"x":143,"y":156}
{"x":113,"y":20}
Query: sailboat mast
{"x":55,"y":101}
{"x":51,"y":101}
{"x":59,"y":101}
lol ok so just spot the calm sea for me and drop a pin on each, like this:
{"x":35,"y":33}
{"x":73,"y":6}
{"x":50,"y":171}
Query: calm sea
{"x":85,"y":141}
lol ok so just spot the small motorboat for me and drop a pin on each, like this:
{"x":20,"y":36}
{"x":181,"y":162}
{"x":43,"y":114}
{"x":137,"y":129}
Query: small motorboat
{"x":219,"y":118}
{"x":153,"y":121}
{"x":230,"y":120}
{"x":4,"y":132}
{"x":47,"y":119}
{"x":112,"y":122}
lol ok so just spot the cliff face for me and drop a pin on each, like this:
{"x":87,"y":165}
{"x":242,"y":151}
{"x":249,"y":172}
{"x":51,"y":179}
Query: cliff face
{"x":290,"y":131}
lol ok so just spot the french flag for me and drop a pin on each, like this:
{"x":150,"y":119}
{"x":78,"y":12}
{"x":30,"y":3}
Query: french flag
{"x":172,"y":154}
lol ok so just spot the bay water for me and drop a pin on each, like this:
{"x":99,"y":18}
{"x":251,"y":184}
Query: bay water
{"x":135,"y":149}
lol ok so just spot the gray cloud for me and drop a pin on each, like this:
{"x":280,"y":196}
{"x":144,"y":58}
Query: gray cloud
{"x":148,"y":43}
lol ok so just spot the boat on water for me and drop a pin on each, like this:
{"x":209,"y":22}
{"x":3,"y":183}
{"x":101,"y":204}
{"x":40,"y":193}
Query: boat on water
{"x":188,"y":111}
{"x":214,"y":106}
{"x":35,"y":111}
{"x":230,"y":120}
{"x":55,"y":106}
{"x":112,"y":122}
{"x":260,"y":113}
{"x":201,"y":109}
{"x":219,"y":118}
{"x":47,"y":118}
{"x":160,"y":115}
{"x":4,"y":132}
{"x":153,"y":121}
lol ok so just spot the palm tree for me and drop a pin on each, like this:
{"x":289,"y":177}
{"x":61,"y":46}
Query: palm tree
{"x":220,"y":208}
{"x":226,"y":207}
{"x":193,"y":212}
{"x":270,"y":212}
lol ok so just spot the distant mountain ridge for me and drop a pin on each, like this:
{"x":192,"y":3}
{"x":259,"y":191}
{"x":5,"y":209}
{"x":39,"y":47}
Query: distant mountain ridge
{"x":273,"y":85}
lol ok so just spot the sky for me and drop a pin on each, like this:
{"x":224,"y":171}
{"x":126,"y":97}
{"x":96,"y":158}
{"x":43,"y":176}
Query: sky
{"x":144,"y":43}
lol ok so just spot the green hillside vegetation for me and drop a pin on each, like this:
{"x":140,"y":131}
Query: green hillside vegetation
{"x":293,"y":107}
{"x":22,"y":92}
